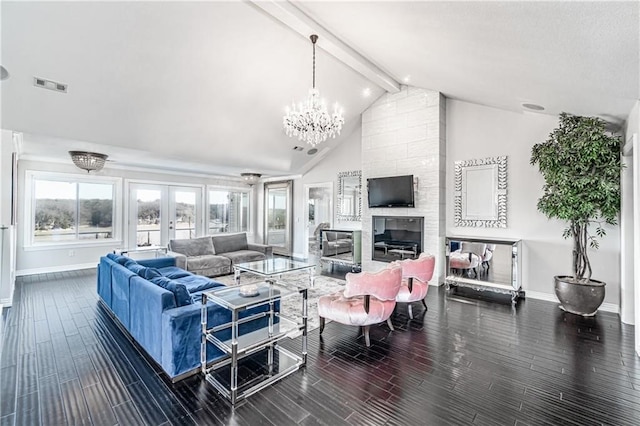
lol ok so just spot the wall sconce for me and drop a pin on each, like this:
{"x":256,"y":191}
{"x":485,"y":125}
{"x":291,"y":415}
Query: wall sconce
{"x":251,"y":178}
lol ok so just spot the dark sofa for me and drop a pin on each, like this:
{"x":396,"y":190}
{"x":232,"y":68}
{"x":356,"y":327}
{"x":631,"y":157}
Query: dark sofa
{"x":398,"y":237}
{"x":159,"y":305}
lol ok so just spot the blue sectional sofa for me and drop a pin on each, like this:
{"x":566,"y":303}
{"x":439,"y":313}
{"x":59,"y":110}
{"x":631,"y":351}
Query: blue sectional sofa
{"x":159,"y":305}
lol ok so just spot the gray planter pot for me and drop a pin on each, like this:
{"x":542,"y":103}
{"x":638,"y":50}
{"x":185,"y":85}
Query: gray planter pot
{"x":578,"y":298}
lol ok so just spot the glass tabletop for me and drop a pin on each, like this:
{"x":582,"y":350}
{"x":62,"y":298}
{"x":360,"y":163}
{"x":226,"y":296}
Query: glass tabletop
{"x":274,"y":266}
{"x":231,"y":298}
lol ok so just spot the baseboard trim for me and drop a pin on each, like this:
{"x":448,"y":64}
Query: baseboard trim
{"x":605,"y":307}
{"x":50,"y":269}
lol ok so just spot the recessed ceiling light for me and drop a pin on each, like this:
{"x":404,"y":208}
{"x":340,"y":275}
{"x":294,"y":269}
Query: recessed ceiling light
{"x":298,"y":148}
{"x":407,"y":78}
{"x":366,"y":92}
{"x":312,"y":151}
{"x":533,"y":107}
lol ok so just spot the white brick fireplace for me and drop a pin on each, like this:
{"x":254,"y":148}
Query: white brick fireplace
{"x":404,"y":133}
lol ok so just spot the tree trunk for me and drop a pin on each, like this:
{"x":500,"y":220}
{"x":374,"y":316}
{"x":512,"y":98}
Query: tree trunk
{"x":581,"y":264}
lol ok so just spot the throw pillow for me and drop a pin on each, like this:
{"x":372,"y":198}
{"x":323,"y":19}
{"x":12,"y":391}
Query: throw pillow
{"x":149,"y":273}
{"x":133,"y":266}
{"x":179,"y":290}
{"x":118,"y":258}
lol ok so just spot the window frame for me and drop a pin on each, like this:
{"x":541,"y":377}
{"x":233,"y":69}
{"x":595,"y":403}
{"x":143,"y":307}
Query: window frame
{"x":31,"y":176}
{"x":227,"y":188}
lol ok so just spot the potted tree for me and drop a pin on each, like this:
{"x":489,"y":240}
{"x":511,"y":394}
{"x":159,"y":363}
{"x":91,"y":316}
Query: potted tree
{"x":580,"y":163}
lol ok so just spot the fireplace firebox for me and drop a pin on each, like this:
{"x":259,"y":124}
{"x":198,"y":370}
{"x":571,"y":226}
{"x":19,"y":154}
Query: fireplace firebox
{"x":396,"y":237}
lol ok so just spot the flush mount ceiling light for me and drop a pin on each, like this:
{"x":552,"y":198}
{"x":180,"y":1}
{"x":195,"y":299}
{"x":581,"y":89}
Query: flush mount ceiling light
{"x":251,"y":178}
{"x":89,"y":161}
{"x":309,"y":120}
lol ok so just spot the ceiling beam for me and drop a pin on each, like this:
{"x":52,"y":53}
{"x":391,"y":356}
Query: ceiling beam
{"x":299,"y":21}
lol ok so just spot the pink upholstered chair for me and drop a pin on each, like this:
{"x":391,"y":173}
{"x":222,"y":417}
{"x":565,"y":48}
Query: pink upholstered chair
{"x":487,"y":256}
{"x":368,"y":298}
{"x":416,"y":274}
{"x":468,"y":257}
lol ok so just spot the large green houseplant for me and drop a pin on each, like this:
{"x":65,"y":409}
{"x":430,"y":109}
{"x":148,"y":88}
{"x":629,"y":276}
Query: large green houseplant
{"x":580,"y":163}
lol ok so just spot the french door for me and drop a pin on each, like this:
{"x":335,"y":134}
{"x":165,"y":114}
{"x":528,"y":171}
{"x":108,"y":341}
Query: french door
{"x":159,"y":213}
{"x":278,"y":212}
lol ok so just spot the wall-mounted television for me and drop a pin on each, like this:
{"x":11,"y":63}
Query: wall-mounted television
{"x":394,"y":191}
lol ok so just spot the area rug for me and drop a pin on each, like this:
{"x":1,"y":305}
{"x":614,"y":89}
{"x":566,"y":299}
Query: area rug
{"x":292,"y":306}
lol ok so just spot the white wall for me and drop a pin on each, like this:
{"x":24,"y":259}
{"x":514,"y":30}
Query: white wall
{"x":475,"y":131}
{"x":7,"y":237}
{"x":35,"y":261}
{"x":345,"y":157}
{"x":627,"y":225}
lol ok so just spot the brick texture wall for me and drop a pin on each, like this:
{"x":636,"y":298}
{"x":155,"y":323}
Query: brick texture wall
{"x":404,"y":133}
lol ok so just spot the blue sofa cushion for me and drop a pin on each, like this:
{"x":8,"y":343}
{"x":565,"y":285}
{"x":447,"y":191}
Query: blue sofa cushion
{"x":118,"y":258}
{"x":173,"y":272}
{"x":179,"y":290}
{"x":158,"y":262}
{"x":196,"y":296}
{"x":133,"y":266}
{"x":149,"y":273}
{"x":195,"y":283}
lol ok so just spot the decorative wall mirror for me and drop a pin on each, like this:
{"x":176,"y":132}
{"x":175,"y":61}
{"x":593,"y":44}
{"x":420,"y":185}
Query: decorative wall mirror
{"x":349,"y":196}
{"x":318,"y":213}
{"x":480,"y":197}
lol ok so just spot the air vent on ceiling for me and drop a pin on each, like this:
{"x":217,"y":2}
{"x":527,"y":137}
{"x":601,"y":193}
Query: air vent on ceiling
{"x":298,"y":148}
{"x":49,"y":84}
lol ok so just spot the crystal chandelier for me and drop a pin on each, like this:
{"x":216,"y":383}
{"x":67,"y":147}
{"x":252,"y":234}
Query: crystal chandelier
{"x":89,"y":161}
{"x":309,"y":120}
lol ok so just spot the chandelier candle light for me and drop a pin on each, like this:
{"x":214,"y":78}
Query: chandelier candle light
{"x":309,"y":120}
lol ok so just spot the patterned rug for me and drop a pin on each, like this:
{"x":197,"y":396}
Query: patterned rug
{"x":292,"y":306}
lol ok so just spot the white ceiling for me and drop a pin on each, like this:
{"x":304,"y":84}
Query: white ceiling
{"x":205,"y":84}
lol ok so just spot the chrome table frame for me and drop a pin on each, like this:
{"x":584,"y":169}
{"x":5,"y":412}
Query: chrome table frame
{"x":281,"y":266}
{"x":240,"y":346}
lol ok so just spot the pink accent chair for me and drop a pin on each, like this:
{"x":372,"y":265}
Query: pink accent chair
{"x":468,"y":257}
{"x":368,"y":298}
{"x":488,"y":255}
{"x":416,"y":274}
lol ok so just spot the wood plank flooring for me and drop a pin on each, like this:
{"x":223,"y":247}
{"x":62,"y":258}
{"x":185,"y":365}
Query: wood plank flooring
{"x":465,"y":361}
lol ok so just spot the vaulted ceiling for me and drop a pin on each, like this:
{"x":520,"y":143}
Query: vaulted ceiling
{"x":202,"y":86}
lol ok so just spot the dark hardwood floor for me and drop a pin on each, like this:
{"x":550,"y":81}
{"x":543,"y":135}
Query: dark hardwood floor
{"x":464,"y":361}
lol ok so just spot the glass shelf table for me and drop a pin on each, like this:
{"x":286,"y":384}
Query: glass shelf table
{"x":277,"y":361}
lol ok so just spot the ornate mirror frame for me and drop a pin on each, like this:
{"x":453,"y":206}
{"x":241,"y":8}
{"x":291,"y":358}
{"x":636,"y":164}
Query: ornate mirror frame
{"x":491,"y":170}
{"x":349,"y":216}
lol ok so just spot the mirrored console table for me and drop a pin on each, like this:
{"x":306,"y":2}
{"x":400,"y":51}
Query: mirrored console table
{"x":485,"y":264}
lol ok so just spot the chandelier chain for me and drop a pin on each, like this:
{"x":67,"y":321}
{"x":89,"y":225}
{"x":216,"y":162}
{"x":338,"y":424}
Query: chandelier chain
{"x":314,"y":63}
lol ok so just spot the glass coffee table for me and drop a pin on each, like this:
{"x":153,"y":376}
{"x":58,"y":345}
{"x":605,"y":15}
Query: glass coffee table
{"x":270,"y":269}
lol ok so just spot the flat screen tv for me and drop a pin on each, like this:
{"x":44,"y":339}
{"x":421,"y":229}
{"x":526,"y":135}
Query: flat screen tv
{"x":395,"y":191}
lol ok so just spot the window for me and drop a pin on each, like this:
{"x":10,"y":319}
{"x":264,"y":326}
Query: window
{"x":228,"y":211}
{"x":70,"y":209}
